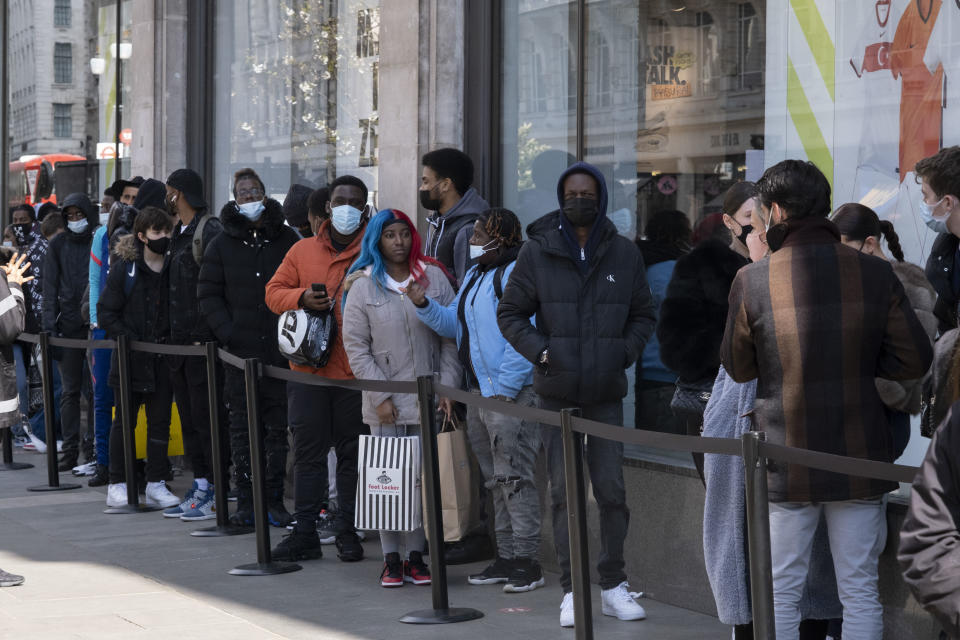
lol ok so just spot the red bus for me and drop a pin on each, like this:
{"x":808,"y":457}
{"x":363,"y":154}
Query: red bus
{"x":32,"y":179}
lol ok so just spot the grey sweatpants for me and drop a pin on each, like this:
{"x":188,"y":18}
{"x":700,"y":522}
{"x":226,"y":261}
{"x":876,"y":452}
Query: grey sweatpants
{"x":507,"y":448}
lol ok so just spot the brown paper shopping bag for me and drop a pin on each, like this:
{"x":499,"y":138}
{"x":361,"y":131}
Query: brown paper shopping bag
{"x":459,"y":481}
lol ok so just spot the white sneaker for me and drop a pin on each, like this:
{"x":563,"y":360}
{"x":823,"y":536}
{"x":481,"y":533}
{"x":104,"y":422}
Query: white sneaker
{"x":159,"y":496}
{"x":566,"y":610}
{"x":619,"y":602}
{"x":117,"y":494}
{"x":86,"y":469}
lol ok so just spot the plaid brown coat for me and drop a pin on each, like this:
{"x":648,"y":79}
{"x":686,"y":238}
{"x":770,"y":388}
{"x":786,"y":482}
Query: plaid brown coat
{"x":815,"y":324}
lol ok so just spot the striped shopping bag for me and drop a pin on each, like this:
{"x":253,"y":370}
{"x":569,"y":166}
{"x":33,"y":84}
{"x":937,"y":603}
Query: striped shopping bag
{"x":388,"y":490}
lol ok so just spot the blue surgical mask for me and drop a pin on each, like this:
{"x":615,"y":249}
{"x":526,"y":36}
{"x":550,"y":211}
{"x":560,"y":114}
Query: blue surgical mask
{"x":77,"y":226}
{"x":345,"y":219}
{"x":251,"y":210}
{"x":935,"y":223}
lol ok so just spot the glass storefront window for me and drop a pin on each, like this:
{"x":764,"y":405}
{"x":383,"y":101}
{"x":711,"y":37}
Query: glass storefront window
{"x":296,"y":92}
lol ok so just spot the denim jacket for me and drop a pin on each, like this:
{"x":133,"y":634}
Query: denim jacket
{"x":500,"y":370}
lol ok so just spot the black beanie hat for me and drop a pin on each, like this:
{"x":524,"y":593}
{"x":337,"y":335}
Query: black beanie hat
{"x":152,"y":193}
{"x":190,"y":184}
{"x":295,"y":205}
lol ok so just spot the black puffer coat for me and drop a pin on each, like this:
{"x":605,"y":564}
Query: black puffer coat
{"x":186,"y":324}
{"x":66,"y":269}
{"x":236,"y":268}
{"x":595,"y":324}
{"x":939,"y":271}
{"x":134,"y":303}
{"x":694,"y":312}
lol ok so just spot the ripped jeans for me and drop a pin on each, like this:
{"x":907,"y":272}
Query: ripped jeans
{"x":507,"y":448}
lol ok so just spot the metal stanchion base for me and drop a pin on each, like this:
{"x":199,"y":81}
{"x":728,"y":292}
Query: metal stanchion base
{"x":130,"y":508}
{"x":46,"y":487}
{"x":264,"y":569}
{"x":218,"y":531}
{"x":15,"y":466}
{"x":441,"y":616}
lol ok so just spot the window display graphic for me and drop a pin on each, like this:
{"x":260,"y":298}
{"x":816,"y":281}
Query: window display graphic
{"x":882,"y":106}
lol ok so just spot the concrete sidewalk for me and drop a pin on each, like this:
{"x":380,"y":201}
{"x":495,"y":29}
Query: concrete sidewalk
{"x":91,"y":575}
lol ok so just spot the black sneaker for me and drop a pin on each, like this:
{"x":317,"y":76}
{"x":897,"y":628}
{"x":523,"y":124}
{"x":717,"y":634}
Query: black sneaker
{"x":497,"y":571}
{"x":277,"y":515}
{"x":297,"y":546}
{"x":392,"y":574}
{"x":526,"y":576}
{"x":471,"y":549}
{"x":349,"y":548}
{"x":243,"y":518}
{"x":67,"y":463}
{"x":101,"y":477}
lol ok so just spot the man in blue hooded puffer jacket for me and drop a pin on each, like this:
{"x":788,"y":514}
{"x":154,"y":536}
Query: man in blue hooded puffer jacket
{"x":587,"y":286}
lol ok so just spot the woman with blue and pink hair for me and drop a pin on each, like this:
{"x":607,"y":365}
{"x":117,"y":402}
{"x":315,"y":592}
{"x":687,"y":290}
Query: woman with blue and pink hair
{"x":384,"y":340}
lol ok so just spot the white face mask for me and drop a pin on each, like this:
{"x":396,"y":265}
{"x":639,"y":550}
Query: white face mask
{"x":345,"y":219}
{"x":476,"y":252}
{"x":104,"y":219}
{"x":77,"y":226}
{"x":935,"y":223}
{"x":251,"y":210}
{"x":7,"y":243}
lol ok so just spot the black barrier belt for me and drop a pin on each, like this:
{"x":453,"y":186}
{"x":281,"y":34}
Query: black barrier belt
{"x":32,"y":338}
{"x":674,"y":441}
{"x":77,"y":343}
{"x":859,"y":467}
{"x":230,"y":359}
{"x":168,"y":349}
{"x":301,"y":377}
{"x":506,"y":408}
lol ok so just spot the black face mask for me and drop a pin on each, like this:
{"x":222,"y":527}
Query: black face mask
{"x":745,"y":230}
{"x":776,"y":235}
{"x":158,"y":245}
{"x":23,"y":232}
{"x":428,"y":202}
{"x":581,"y":212}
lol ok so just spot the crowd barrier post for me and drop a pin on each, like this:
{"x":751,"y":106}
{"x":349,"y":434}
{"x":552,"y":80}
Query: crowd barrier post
{"x":8,"y":464}
{"x":441,"y":613}
{"x":577,"y":525}
{"x":264,"y":566}
{"x":128,"y":424}
{"x":223,"y":526}
{"x":49,"y":420}
{"x":758,"y":536}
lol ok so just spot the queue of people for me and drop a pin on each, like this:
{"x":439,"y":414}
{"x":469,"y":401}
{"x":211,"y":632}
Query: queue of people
{"x":784,"y":317}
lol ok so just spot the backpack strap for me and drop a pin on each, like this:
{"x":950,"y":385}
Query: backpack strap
{"x":196,"y":245}
{"x":498,"y":281}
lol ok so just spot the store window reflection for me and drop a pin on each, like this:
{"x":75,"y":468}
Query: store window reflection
{"x":297,"y":95}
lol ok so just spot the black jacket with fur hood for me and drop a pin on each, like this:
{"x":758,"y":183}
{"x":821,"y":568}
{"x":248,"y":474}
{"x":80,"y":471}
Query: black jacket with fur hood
{"x":237,"y":265}
{"x":134,"y":303}
{"x":694,"y":312}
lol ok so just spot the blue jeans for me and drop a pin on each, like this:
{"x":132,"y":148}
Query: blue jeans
{"x":102,"y":399}
{"x":23,"y":380}
{"x":38,"y":421}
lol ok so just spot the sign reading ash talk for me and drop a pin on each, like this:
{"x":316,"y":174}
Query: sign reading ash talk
{"x":670,"y":73}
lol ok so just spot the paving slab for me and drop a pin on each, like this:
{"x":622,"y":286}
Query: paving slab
{"x":92,"y":575}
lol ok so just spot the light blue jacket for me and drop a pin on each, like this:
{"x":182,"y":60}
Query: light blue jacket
{"x":499,"y":368}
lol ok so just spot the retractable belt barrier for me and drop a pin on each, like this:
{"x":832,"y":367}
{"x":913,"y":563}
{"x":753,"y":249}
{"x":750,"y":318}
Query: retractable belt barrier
{"x":753,"y":448}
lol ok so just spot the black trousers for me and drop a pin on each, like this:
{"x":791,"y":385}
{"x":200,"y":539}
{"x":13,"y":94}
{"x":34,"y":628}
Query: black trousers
{"x":188,"y":377}
{"x":158,"y":408}
{"x":74,"y":380}
{"x":273,"y":416}
{"x":320,"y":418}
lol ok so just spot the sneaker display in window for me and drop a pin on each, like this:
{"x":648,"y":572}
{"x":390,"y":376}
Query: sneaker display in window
{"x":525,"y":576}
{"x":566,"y":611}
{"x":203,"y":507}
{"x":189,"y":498}
{"x":349,"y":548}
{"x":619,"y":603}
{"x":157,"y":495}
{"x":497,"y":571}
{"x":297,"y":546}
{"x":100,"y":478}
{"x":117,"y":494}
{"x":392,"y":574}
{"x":415,"y":569}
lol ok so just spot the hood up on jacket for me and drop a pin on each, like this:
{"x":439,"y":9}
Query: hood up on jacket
{"x":82,"y":202}
{"x":152,"y":193}
{"x":471,"y":203}
{"x":127,"y":248}
{"x":236,"y":225}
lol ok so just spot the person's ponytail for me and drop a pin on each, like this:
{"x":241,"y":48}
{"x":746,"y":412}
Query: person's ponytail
{"x":892,"y":239}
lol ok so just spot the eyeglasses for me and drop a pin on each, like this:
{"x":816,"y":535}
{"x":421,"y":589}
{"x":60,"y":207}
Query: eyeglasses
{"x":249,"y":193}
